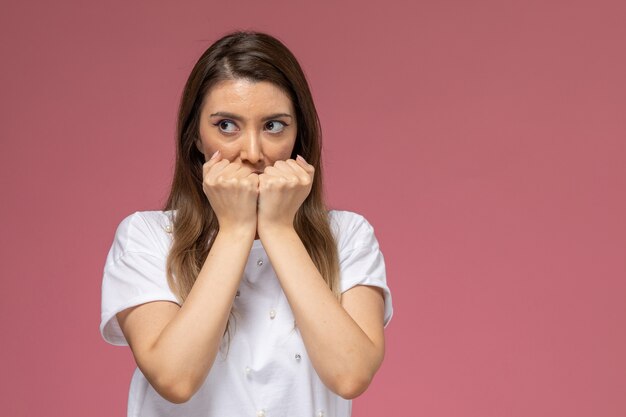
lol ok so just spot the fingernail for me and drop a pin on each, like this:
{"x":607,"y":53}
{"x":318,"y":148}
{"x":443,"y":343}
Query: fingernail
{"x":301,"y":159}
{"x":215,"y":154}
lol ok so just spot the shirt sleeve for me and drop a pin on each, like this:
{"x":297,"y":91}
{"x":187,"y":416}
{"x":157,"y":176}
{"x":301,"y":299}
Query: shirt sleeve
{"x":360,"y":260}
{"x":134,"y":273}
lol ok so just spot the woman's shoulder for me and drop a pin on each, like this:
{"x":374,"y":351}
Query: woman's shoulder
{"x":345,"y":218}
{"x":155,"y":220}
{"x":144,"y":231}
{"x":351,"y":229}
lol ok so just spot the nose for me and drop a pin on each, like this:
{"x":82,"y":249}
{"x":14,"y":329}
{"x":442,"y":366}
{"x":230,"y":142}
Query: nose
{"x":251,"y":148}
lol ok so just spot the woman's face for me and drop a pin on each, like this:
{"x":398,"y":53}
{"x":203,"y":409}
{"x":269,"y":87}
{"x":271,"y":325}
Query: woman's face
{"x":253,"y":123}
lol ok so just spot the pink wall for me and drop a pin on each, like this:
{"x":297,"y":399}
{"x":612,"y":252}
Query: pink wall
{"x":485,"y":140}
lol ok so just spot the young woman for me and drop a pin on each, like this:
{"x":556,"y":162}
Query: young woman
{"x":245,"y":296}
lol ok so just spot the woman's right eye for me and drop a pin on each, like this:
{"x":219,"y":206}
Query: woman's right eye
{"x":227,"y":126}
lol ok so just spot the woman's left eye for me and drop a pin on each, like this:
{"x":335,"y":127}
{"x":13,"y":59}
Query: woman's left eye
{"x":275,"y":126}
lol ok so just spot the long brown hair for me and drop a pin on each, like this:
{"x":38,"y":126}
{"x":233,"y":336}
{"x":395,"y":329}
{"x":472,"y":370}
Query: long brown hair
{"x":257,"y":57}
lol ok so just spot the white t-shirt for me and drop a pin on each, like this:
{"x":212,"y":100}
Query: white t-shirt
{"x":265,"y":371}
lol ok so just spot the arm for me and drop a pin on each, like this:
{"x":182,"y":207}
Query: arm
{"x":344,"y":340}
{"x":176,"y":347}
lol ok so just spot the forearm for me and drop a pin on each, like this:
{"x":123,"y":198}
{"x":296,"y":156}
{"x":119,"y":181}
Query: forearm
{"x":343,"y":355}
{"x":186,"y":348}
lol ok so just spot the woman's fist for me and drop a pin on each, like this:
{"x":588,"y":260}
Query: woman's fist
{"x":232,"y":190}
{"x":283,"y":188}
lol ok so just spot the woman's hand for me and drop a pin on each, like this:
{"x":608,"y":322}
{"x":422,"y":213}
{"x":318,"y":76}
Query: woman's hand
{"x":282,"y":190}
{"x":233,"y":191}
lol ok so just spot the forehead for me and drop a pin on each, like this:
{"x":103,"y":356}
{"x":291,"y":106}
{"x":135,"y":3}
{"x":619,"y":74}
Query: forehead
{"x":247,"y":98}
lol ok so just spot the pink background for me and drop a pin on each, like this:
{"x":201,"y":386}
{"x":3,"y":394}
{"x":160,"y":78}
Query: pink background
{"x":484,"y":140}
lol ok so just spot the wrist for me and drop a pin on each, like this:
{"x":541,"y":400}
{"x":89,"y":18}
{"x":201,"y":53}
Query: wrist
{"x":269,"y":231}
{"x":238,"y":232}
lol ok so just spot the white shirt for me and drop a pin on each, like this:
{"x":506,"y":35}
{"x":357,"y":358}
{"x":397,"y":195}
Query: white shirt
{"x":265,"y":370}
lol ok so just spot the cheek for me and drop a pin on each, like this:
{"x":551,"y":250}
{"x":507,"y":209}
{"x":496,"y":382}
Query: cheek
{"x":229,"y":151}
{"x":287,"y":149}
{"x":281,"y":153}
{"x":211,"y":144}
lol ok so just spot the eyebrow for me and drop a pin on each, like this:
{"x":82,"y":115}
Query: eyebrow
{"x":237,"y":117}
